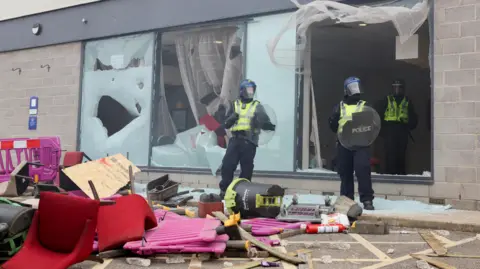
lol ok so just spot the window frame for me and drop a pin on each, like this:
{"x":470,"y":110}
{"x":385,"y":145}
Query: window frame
{"x":298,"y":110}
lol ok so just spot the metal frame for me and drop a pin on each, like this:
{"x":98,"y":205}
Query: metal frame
{"x":290,"y":175}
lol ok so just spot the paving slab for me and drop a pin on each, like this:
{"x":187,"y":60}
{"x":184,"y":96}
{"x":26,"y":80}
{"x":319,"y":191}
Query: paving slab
{"x":452,"y":220}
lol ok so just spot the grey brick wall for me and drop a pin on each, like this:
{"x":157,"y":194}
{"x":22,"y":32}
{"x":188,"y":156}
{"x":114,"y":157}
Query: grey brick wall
{"x":57,"y":90}
{"x":457,"y":102}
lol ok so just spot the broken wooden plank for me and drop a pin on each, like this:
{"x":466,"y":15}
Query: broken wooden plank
{"x":290,"y":233}
{"x":254,"y":264}
{"x":449,"y":255}
{"x":433,"y":262}
{"x":307,"y":257}
{"x":246,"y":236}
{"x":433,"y":242}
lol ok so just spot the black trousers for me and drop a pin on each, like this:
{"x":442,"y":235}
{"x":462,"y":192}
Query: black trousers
{"x":357,"y":160}
{"x":239,"y":150}
{"x":396,"y":141}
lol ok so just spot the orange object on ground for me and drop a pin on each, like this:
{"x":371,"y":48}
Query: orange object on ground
{"x":207,"y":208}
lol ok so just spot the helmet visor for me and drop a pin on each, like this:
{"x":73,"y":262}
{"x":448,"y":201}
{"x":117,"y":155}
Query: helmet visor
{"x":250,"y":91}
{"x":353,"y":88}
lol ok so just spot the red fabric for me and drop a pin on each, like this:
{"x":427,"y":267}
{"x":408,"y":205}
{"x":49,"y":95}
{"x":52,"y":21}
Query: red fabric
{"x":212,"y":125}
{"x":61,"y":234}
{"x":124,"y":221}
{"x":72,"y":158}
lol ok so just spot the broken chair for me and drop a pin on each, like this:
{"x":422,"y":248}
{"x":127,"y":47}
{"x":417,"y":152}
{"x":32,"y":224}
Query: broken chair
{"x":61,"y":234}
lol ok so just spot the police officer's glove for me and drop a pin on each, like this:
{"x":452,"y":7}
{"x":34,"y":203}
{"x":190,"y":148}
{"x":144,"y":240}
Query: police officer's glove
{"x":232,"y":120}
{"x":269,"y":126}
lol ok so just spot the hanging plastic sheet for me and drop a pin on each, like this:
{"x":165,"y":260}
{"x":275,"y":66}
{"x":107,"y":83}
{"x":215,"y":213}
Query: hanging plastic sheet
{"x":406,"y":15}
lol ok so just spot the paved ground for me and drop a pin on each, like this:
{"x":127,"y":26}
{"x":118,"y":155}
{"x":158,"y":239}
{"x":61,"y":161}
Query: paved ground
{"x":340,"y":251}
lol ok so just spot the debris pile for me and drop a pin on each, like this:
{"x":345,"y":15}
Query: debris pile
{"x":166,"y":221}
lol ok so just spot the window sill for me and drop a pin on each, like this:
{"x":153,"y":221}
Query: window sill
{"x":376,"y":178}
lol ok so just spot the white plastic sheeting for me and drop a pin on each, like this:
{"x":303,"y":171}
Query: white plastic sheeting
{"x":406,"y":20}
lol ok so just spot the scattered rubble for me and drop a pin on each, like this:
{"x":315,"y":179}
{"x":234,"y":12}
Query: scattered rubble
{"x":139,"y":262}
{"x":390,"y":251}
{"x":228,"y":264}
{"x":327,"y":259}
{"x":174,"y":259}
{"x":340,"y":246}
{"x":422,"y":265}
{"x":442,"y":232}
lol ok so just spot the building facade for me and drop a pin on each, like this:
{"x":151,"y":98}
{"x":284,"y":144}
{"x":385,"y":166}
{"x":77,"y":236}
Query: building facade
{"x":151,"y":88}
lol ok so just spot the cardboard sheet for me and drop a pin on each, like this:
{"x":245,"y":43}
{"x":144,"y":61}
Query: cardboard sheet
{"x":108,"y":174}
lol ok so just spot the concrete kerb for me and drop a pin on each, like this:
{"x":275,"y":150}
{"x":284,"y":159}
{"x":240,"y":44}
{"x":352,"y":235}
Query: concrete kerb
{"x":430,"y":221}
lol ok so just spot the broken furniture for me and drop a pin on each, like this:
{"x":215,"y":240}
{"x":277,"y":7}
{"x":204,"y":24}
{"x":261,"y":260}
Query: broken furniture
{"x":253,"y":199}
{"x":14,"y":223}
{"x":265,"y":227}
{"x":125,"y":221}
{"x":246,"y":236}
{"x":305,"y":212}
{"x":61,"y":233}
{"x":180,"y":234}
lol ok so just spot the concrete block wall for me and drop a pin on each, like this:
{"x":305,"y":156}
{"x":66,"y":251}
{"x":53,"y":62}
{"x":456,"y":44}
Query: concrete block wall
{"x":57,"y":90}
{"x":457,"y":102}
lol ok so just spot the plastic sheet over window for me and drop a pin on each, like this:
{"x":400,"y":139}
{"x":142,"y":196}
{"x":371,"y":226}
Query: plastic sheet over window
{"x":406,"y":15}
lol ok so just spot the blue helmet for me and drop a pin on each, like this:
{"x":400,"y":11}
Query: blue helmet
{"x":351,"y":86}
{"x":247,"y":89}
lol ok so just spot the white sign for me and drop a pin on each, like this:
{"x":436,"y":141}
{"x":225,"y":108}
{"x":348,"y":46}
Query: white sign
{"x":117,"y":61}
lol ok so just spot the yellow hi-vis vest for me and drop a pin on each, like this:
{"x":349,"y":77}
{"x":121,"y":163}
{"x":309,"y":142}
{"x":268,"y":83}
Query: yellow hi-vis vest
{"x":346,"y":112}
{"x":395,"y":112}
{"x":245,"y":115}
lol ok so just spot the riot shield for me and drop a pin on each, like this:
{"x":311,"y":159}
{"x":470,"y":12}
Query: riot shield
{"x":266,"y":136}
{"x":361,"y":129}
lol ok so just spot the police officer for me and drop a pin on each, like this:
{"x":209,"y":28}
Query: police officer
{"x":352,"y":159}
{"x":398,"y":120}
{"x":245,"y":118}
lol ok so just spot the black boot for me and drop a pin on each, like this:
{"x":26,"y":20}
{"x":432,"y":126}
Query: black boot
{"x":368,"y":205}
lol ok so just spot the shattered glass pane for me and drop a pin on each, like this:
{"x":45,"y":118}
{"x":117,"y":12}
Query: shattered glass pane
{"x":200,"y":72}
{"x":116,"y":97}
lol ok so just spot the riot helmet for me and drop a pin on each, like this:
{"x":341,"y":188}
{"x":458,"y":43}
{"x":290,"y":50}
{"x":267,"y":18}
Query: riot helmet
{"x":247,"y":90}
{"x":351,"y":86}
{"x":398,"y":86}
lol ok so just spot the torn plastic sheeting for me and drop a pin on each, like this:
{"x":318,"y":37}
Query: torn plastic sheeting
{"x":406,"y":20}
{"x":196,"y":147}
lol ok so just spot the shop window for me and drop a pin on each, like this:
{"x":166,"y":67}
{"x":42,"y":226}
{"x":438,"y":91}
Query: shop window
{"x":371,"y":52}
{"x":116,"y":97}
{"x":200,"y":74}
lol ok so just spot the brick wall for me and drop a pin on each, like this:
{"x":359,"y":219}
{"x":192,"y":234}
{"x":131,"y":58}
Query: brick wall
{"x":457,"y":102}
{"x":57,"y":90}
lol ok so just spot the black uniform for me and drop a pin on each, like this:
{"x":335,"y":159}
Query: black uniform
{"x":396,"y":135}
{"x":242,"y":146}
{"x":350,"y":160}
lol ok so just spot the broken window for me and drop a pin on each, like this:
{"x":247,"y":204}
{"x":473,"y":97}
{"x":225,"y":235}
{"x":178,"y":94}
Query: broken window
{"x":116,"y":97}
{"x":200,"y":74}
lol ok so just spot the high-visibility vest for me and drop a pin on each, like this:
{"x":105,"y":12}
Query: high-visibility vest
{"x":395,"y":112}
{"x":346,"y":112}
{"x":245,"y":115}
